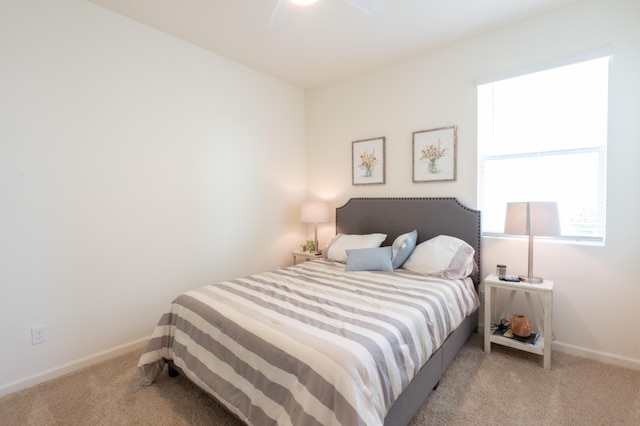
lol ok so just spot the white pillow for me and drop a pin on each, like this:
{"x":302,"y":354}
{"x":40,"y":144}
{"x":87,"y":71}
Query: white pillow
{"x":336,"y":250}
{"x":442,"y":256}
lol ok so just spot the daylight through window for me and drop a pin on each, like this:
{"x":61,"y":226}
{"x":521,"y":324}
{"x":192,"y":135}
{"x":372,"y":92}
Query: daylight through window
{"x":543,"y":137}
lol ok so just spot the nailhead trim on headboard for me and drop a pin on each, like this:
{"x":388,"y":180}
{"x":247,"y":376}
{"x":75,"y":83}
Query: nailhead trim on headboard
{"x":395,"y":216}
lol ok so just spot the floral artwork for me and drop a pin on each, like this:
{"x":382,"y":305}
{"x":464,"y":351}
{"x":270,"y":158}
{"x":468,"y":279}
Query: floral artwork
{"x":434,"y":155}
{"x":368,"y":161}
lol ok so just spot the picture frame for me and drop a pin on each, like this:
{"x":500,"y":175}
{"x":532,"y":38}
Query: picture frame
{"x":368,"y":161}
{"x":434,"y":154}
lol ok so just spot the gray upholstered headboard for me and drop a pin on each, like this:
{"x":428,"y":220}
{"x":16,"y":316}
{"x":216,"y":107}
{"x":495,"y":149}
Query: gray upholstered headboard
{"x":395,"y":216}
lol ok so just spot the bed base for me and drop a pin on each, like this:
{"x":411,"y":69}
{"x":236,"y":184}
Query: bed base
{"x":428,"y":378}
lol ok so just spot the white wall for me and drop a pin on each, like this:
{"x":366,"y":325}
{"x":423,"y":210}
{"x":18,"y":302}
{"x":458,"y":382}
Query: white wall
{"x":133,"y":166}
{"x":597,"y":291}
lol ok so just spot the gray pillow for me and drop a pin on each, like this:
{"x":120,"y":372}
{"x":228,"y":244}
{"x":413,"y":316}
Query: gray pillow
{"x":369,"y":259}
{"x":403,"y":247}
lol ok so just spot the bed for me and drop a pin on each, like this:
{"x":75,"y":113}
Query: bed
{"x":332,"y":341}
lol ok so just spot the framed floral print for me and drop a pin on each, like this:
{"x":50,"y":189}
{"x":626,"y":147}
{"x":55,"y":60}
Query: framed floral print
{"x":367,"y":161}
{"x":434,"y":154}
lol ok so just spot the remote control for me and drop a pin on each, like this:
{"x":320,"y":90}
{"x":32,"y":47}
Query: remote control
{"x":510,"y":278}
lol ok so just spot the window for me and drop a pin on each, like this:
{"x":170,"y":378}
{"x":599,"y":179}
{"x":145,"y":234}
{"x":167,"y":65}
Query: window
{"x":542,"y":137}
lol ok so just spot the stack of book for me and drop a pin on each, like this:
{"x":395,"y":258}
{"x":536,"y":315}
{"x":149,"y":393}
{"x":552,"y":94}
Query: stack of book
{"x":532,"y":339}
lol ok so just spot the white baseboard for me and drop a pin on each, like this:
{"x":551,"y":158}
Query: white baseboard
{"x":607,"y":358}
{"x":61,"y":370}
{"x":38,"y":378}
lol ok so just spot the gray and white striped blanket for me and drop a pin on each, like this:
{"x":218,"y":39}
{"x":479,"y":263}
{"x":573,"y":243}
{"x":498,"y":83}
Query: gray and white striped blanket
{"x":309,"y":344}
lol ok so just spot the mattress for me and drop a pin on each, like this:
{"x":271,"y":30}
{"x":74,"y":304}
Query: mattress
{"x":309,"y":344}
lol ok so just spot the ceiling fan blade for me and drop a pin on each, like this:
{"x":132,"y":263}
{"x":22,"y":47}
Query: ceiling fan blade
{"x":280,"y":12}
{"x":367,"y":6}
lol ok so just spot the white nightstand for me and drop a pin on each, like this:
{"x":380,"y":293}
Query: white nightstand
{"x":303,"y":255}
{"x":544,"y":295}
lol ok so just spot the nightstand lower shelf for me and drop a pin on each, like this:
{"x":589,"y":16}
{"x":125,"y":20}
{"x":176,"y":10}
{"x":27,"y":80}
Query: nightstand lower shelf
{"x":537,"y":348}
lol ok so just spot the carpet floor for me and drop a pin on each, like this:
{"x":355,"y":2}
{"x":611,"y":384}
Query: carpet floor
{"x":507,"y":387}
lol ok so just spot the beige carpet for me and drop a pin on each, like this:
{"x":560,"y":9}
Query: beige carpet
{"x":505,"y":388}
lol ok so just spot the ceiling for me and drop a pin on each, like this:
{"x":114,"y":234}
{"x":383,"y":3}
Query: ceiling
{"x":326,"y":41}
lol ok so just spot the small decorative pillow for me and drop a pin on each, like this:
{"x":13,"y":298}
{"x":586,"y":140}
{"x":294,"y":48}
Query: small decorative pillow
{"x":336,"y":250}
{"x":442,"y":256}
{"x":402,"y":248}
{"x":369,"y":259}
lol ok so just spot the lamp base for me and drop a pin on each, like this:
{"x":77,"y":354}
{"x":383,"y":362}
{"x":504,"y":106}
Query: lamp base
{"x":531,"y":280}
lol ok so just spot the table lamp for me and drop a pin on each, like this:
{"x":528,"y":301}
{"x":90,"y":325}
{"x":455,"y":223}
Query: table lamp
{"x":315,"y":212}
{"x":532,"y":218}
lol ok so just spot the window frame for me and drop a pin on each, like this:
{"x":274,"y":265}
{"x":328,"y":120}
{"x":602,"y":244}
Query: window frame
{"x":600,"y":150}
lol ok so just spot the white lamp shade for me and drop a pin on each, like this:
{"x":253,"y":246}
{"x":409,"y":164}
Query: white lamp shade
{"x":532,"y":218}
{"x":314,"y":212}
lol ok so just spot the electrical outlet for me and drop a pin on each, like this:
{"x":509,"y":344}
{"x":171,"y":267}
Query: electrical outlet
{"x":38,"y":334}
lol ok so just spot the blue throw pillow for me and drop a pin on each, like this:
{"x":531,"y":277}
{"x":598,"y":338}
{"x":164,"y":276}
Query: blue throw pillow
{"x":369,"y":259}
{"x":403,"y":247}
